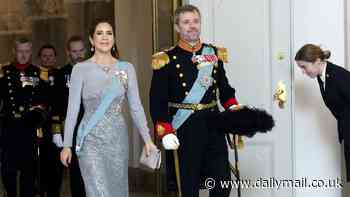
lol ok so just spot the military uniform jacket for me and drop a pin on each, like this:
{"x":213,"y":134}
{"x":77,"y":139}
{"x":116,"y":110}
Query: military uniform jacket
{"x":20,"y":91}
{"x":59,"y":97}
{"x":174,"y":73}
{"x":336,"y":96}
{"x":61,"y":86}
{"x":48,"y":77}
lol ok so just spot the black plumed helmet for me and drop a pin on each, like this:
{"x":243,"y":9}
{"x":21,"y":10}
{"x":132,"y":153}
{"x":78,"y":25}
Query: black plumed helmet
{"x":246,"y":121}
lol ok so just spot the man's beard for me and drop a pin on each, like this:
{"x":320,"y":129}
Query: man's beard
{"x":192,"y":38}
{"x":77,"y":60}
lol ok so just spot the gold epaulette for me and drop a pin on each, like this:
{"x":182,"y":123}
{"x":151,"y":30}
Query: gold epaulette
{"x":2,"y":66}
{"x":222,"y":53}
{"x":159,"y":60}
{"x":44,"y":73}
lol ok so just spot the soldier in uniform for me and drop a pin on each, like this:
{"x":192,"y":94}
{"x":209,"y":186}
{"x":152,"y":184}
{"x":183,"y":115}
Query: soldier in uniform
{"x":51,"y":171}
{"x":22,"y":93}
{"x":76,"y":53}
{"x":183,"y":98}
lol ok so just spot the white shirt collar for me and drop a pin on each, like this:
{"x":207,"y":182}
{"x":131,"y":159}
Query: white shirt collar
{"x":323,"y":75}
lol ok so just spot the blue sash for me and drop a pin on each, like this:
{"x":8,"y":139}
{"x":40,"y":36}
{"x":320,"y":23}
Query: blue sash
{"x":108,"y":95}
{"x":197,"y":91}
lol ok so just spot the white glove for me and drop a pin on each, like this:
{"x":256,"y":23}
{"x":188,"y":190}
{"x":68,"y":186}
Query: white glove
{"x":236,"y":107}
{"x":57,"y":139}
{"x":170,"y":142}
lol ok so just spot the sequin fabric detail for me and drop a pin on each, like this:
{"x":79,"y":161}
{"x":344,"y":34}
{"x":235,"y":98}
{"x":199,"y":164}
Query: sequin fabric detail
{"x":104,"y":156}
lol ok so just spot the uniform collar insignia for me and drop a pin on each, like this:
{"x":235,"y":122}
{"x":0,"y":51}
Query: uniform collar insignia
{"x":187,"y":47}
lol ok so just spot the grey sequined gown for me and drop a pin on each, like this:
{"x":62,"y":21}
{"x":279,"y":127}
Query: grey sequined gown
{"x":103,"y":157}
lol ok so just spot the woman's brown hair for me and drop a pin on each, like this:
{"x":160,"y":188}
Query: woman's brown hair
{"x":310,"y":53}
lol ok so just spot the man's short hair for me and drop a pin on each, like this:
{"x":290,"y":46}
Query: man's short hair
{"x":183,"y":9}
{"x":22,"y":40}
{"x":74,"y":38}
{"x":46,"y":46}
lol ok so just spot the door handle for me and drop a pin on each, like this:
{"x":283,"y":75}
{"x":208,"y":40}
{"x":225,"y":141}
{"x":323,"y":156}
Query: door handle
{"x":280,"y":95}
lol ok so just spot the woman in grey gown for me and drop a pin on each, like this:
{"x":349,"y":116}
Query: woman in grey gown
{"x":102,"y":83}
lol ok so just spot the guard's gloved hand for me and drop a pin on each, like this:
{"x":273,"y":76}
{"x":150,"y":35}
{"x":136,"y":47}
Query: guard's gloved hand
{"x":170,"y":142}
{"x":57,"y":140}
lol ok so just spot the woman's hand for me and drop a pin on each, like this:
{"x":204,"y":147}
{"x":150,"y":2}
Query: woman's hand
{"x":149,"y":146}
{"x":66,"y":156}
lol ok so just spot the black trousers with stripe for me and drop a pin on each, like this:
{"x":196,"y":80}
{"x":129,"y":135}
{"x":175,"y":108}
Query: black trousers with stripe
{"x":202,"y":154}
{"x":18,"y":158}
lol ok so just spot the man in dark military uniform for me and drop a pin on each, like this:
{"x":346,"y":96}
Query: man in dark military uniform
{"x":51,"y":171}
{"x":76,"y":52}
{"x":22,"y":95}
{"x":186,"y":81}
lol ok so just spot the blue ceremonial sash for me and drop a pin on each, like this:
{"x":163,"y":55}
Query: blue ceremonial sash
{"x":108,"y":95}
{"x":197,"y":91}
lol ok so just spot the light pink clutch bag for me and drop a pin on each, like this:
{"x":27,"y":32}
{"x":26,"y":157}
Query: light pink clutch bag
{"x":153,"y":160}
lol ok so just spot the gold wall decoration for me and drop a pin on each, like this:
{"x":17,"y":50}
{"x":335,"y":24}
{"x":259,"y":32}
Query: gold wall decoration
{"x":42,"y":9}
{"x":14,"y":23}
{"x":164,"y":35}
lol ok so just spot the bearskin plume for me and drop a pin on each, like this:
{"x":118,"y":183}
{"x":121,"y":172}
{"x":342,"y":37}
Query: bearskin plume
{"x":246,"y":121}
